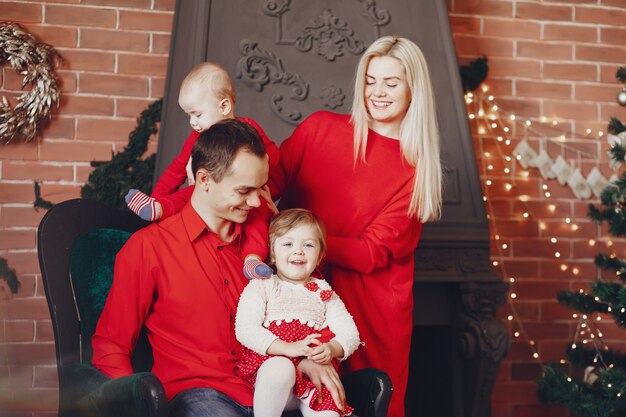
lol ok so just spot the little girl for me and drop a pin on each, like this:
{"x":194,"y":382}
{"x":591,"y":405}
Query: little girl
{"x":292,"y":316}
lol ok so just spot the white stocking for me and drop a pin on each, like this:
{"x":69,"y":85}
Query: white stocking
{"x":274,"y":385}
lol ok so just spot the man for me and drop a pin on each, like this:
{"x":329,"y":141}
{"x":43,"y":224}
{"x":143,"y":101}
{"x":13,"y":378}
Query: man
{"x":181,"y":278}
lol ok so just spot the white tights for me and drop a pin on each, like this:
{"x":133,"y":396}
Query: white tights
{"x":273,"y":391}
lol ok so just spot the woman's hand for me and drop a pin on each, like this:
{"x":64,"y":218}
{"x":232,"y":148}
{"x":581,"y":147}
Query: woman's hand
{"x":267,"y":195}
{"x":327,"y":376}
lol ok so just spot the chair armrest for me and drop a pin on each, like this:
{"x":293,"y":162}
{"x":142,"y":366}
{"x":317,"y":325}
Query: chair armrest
{"x":137,"y":395}
{"x":368,"y":391}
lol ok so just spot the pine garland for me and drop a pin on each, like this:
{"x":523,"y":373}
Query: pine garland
{"x":8,"y":274}
{"x":473,"y":74}
{"x":111,"y":180}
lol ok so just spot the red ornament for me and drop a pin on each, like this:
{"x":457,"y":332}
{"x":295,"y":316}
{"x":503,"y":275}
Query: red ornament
{"x":312,"y":286}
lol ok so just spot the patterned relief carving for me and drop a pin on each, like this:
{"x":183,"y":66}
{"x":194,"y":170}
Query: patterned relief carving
{"x":332,"y":97}
{"x":331,"y":34}
{"x":463,"y":261}
{"x":258,"y":68}
{"x":377,"y":17}
{"x":276,"y":8}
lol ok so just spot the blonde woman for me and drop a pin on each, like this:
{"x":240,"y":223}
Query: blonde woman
{"x":373,"y":178}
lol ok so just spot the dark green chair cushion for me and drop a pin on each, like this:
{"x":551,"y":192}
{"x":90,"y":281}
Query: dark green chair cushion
{"x":91,"y":270}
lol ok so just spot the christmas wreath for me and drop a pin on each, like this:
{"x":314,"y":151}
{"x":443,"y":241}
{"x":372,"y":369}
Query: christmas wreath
{"x":36,"y":62}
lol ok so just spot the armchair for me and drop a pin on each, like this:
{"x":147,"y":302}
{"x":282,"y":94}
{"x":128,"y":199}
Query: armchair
{"x":77,"y":241}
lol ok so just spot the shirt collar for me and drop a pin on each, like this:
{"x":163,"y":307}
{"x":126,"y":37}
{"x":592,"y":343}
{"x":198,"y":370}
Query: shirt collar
{"x":195,"y":226}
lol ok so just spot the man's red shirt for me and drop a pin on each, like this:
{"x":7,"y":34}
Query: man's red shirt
{"x":183,"y":283}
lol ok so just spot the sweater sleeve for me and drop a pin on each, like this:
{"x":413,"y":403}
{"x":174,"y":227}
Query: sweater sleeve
{"x":175,"y":174}
{"x":250,"y":316}
{"x":125,"y":310}
{"x":340,"y":322}
{"x":391,"y":235}
{"x":291,"y":151}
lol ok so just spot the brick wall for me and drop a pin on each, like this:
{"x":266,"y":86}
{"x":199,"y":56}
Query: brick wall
{"x":548,"y":61}
{"x":114,"y":64}
{"x":555,"y":60}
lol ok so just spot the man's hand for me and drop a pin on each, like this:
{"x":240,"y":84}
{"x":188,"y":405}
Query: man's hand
{"x":327,"y":376}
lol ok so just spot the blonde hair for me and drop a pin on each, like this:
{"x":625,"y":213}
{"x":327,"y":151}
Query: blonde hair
{"x":286,"y":220}
{"x":419,"y":134}
{"x":213,"y":77}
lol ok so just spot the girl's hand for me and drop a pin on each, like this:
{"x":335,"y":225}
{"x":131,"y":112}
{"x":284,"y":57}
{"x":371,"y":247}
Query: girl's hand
{"x":301,"y":347}
{"x":267,"y":195}
{"x":321,"y":354}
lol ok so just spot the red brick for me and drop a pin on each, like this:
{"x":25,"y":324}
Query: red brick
{"x":551,"y":269}
{"x":595,"y":92}
{"x":157,"y":87}
{"x":516,"y":67}
{"x":540,"y":411}
{"x":574,"y":72}
{"x":601,"y":16}
{"x":17,"y":239}
{"x":553,"y":311}
{"x":614,"y":36}
{"x":117,"y":85}
{"x":525,"y":371}
{"x":520,"y":107}
{"x":69,"y":82}
{"x":89,"y":60}
{"x":558,"y":331}
{"x":44,"y":399}
{"x":515,"y":392}
{"x":534,"y":11}
{"x":168,"y":5}
{"x":75,"y":151}
{"x":568,"y":109}
{"x":19,"y":150}
{"x":545,"y":50}
{"x":479,"y":7}
{"x":149,"y":21}
{"x":46,"y":377}
{"x":567,"y":32}
{"x":44,"y":331}
{"x":27,"y":285}
{"x":465,"y":24}
{"x":20,"y":216}
{"x":12,"y":79}
{"x":128,"y":107}
{"x":102,"y":129}
{"x":86,"y":105}
{"x":525,"y":310}
{"x":16,"y":192}
{"x":482,"y":46}
{"x":114,"y":40}
{"x":57,"y":193}
{"x":521,"y":269}
{"x":18,"y":331}
{"x":33,"y":308}
{"x":60,"y":128}
{"x":83,"y":172}
{"x":58,"y":36}
{"x":597,"y":54}
{"x":612,"y":110}
{"x":136,"y":4}
{"x":539,"y":289}
{"x":16,"y":377}
{"x":511,"y":28}
{"x":80,"y":16}
{"x":160,"y":43}
{"x":20,"y":12}
{"x":36,"y":171}
{"x":142,"y":64}
{"x":541,"y":89}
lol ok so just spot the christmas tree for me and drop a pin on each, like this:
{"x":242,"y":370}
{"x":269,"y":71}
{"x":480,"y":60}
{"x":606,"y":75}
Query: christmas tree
{"x":600,"y":390}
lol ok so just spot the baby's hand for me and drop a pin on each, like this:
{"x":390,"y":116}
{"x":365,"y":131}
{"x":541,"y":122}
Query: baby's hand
{"x":321,"y":354}
{"x":301,"y":347}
